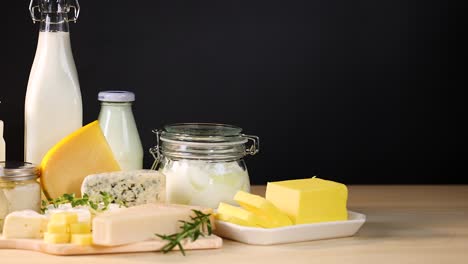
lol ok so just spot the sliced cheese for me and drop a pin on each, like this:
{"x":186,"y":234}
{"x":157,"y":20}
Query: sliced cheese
{"x":309,"y":200}
{"x":82,"y":153}
{"x":271,"y":215}
{"x":130,"y":187}
{"x":140,"y":223}
{"x":24,"y":224}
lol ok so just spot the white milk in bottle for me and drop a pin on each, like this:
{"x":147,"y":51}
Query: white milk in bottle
{"x":119,"y":127}
{"x":53,"y":107}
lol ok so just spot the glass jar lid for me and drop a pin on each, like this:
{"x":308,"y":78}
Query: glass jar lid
{"x":203,"y":141}
{"x":18,"y":171}
{"x":203,"y":133}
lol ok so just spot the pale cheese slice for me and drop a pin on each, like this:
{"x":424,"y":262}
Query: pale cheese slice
{"x":140,"y":223}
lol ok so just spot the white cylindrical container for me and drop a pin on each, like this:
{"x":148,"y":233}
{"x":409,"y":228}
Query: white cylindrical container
{"x":119,"y":127}
{"x":53,"y":107}
{"x":2,"y":143}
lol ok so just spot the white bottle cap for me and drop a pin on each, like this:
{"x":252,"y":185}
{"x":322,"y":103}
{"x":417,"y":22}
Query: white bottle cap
{"x":116,"y":96}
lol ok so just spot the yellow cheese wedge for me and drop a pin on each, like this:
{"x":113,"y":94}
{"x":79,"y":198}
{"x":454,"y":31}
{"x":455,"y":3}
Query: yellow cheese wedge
{"x":309,"y":200}
{"x":80,"y":154}
{"x":80,"y":228}
{"x":82,"y":239}
{"x":239,"y":216}
{"x":263,"y":208}
{"x":57,"y":238}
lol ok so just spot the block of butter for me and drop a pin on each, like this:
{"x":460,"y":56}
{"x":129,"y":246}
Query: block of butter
{"x":309,"y":200}
{"x":140,"y":223}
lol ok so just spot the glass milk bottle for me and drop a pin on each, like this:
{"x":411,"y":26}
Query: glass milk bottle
{"x":118,"y":125}
{"x":53,"y":107}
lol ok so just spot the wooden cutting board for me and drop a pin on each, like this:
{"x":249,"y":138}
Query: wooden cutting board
{"x":211,"y":242}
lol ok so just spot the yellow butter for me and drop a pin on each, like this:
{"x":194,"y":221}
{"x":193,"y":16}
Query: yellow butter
{"x":82,"y":239}
{"x":237,"y":215}
{"x":57,"y":228}
{"x":271,"y":216}
{"x":80,"y":228}
{"x":66,"y":218}
{"x":57,"y":238}
{"x":78,"y":155}
{"x":309,"y":200}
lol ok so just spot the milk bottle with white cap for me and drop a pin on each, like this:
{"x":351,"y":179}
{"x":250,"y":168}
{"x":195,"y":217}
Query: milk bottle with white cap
{"x":119,"y":127}
{"x":53,"y":107}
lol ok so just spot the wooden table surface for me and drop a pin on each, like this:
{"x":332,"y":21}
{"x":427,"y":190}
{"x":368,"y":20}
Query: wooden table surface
{"x":405,"y":224}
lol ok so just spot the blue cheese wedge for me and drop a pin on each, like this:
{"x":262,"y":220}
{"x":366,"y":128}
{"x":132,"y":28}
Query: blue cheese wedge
{"x":128,"y":187}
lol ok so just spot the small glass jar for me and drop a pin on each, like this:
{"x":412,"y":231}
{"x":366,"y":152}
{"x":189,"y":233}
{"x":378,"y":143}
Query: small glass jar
{"x":19,"y":189}
{"x":203,"y":163}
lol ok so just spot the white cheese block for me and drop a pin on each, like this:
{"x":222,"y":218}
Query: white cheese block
{"x":24,"y":224}
{"x":139,"y":223}
{"x":130,"y":187}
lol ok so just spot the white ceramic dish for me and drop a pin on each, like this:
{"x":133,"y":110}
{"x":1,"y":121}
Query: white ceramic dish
{"x":290,"y":234}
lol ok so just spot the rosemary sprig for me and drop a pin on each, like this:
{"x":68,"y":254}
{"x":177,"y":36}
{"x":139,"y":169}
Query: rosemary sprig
{"x":98,"y":204}
{"x":200,"y":226}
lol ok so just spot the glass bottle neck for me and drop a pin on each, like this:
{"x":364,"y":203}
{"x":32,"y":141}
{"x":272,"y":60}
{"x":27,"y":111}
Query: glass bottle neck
{"x":54,"y":22}
{"x":116,"y":104}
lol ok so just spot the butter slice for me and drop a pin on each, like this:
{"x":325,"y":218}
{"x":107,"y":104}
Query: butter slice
{"x":140,"y":223}
{"x":237,"y":215}
{"x":309,"y":200}
{"x":271,"y":215}
{"x":24,"y":224}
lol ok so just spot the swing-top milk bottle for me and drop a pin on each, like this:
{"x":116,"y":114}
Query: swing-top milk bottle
{"x":53,"y":107}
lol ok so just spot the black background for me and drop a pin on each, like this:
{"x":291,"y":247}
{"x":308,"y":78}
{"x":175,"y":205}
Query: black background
{"x":354,"y":91}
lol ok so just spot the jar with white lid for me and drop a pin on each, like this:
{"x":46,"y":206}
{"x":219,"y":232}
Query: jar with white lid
{"x":203,"y":163}
{"x":19,"y":189}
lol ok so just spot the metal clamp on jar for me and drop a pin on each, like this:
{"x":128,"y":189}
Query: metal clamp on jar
{"x":203,"y":163}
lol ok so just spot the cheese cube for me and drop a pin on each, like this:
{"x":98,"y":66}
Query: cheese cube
{"x":309,"y":200}
{"x":80,"y":228}
{"x":272,"y":216}
{"x":57,"y":228}
{"x":237,"y":215}
{"x":57,"y":238}
{"x":24,"y":224}
{"x":82,"y":239}
{"x":64,"y":218}
{"x":140,"y":223}
{"x":84,"y":215}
